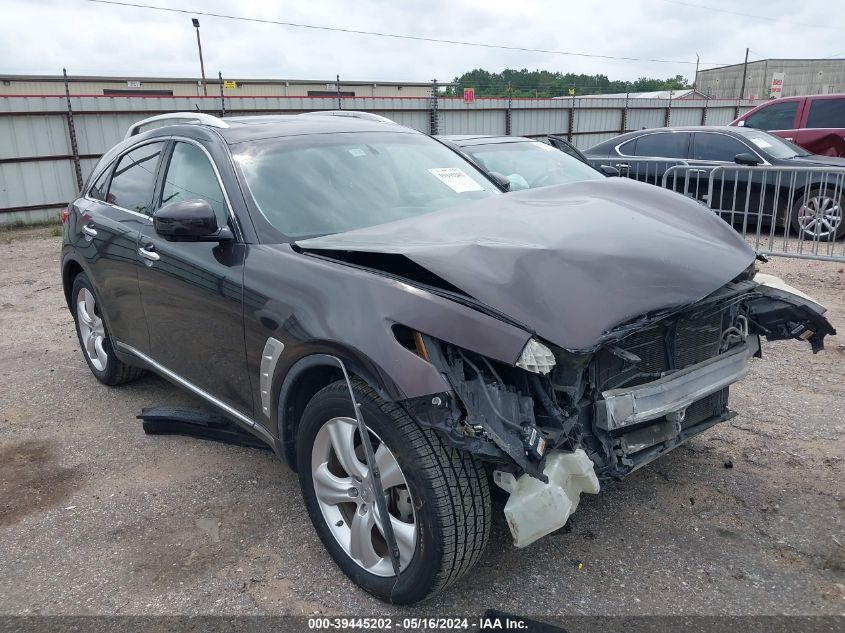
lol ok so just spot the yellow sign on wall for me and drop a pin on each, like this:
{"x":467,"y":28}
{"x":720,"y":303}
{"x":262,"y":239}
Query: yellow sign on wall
{"x":230,"y":85}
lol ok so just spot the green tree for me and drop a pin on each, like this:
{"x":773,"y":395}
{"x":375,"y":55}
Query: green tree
{"x":545,"y":84}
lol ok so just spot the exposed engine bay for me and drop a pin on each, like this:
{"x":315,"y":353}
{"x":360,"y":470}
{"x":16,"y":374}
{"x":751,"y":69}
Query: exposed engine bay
{"x":651,"y":386}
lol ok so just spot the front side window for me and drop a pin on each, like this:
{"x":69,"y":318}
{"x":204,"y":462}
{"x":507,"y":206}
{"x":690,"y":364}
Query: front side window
{"x":531,"y":164}
{"x":311,"y":185}
{"x":775,"y":116}
{"x":829,"y":113}
{"x":663,"y":145}
{"x":716,"y":147}
{"x":134,"y":177}
{"x":190,"y":176}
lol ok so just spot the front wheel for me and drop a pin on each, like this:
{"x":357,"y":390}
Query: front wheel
{"x":818,"y":215}
{"x":438,"y":498}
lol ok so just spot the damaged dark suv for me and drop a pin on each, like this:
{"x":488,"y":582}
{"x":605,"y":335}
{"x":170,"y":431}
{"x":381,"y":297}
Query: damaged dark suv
{"x":367,"y":302}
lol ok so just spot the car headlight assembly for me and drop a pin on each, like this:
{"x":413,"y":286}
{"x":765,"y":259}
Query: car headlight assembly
{"x":536,"y":358}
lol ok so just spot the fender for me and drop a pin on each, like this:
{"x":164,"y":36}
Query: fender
{"x":294,"y":382}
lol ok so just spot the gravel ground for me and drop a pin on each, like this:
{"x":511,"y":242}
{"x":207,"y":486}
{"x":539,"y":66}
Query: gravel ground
{"x":97,"y":518}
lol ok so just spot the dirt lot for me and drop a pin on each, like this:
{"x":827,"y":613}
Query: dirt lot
{"x":96,"y":517}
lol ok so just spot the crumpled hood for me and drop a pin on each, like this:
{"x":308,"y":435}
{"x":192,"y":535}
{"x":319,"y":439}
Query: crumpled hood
{"x":569,"y":262}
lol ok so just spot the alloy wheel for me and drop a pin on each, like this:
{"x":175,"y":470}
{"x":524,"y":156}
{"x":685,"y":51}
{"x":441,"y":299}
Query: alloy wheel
{"x":819,"y":216}
{"x":92,"y":329}
{"x":344,"y":489}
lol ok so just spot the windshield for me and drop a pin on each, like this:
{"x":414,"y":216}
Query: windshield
{"x":530,"y":164}
{"x":774,"y":145}
{"x":320,"y":184}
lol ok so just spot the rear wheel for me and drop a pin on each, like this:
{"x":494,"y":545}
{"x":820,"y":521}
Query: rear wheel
{"x":94,"y":336}
{"x":438,"y":498}
{"x":818,"y":215}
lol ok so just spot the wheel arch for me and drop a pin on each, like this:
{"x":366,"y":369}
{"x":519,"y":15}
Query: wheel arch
{"x":71,"y":267}
{"x":306,"y":377}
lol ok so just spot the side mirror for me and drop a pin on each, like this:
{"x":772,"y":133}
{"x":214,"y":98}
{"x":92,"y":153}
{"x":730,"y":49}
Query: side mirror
{"x":609,"y":170}
{"x":501,"y":180}
{"x":189,"y":221}
{"x":746,"y":159}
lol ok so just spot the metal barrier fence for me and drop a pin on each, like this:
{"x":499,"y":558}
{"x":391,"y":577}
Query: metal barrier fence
{"x":48,"y":144}
{"x":791,"y":211}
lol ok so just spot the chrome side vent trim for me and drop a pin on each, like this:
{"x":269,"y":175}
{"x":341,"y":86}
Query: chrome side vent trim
{"x":273,"y":348}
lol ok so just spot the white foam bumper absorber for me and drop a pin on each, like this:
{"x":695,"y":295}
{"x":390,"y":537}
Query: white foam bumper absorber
{"x":535,"y":509}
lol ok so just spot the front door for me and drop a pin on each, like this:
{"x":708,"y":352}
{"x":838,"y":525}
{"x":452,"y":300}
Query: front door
{"x":192,"y":291}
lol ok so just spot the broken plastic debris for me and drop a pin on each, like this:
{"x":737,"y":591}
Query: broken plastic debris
{"x":535,"y":509}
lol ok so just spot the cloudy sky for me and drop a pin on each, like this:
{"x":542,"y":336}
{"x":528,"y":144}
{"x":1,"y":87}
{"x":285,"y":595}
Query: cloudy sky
{"x":42,"y":36}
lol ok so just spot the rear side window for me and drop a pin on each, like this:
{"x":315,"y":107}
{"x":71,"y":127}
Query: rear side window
{"x":716,"y":147}
{"x":827,"y":113}
{"x":134,"y":177}
{"x":775,"y":116}
{"x":98,"y":189}
{"x":190,"y":176}
{"x":663,"y":145}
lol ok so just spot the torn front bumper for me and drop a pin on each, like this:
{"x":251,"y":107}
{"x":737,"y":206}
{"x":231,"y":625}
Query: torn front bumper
{"x":670,"y":396}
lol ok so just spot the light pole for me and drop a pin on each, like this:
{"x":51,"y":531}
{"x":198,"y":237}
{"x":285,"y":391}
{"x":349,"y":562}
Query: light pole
{"x":196,"y":24}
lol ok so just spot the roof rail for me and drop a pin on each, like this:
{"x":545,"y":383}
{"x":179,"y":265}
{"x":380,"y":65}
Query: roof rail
{"x":352,"y":114}
{"x":196,"y":118}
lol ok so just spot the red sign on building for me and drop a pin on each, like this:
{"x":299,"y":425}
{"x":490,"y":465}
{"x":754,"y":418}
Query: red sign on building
{"x":469,"y":95}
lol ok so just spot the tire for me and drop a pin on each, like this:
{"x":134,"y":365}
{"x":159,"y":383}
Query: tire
{"x":94,"y":339}
{"x":449,"y":495}
{"x":819,"y":215}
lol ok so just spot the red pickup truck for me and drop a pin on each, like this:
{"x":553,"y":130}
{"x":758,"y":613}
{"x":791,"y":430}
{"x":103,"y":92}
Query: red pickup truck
{"x":816,"y":123}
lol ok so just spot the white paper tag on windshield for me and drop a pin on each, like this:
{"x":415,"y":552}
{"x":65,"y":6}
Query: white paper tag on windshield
{"x":548,"y":148}
{"x":761,"y":143}
{"x":456,"y":179}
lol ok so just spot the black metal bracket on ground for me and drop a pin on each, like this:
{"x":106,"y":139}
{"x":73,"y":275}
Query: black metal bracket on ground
{"x":378,"y":489}
{"x":196,"y":423}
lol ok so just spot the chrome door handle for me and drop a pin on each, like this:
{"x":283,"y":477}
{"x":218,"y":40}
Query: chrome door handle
{"x":148,"y":253}
{"x":698,"y":171}
{"x":90,"y":231}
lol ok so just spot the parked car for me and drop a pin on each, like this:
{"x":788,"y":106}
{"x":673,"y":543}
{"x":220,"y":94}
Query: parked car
{"x":365,"y":301}
{"x":816,"y":123}
{"x":517,"y":162}
{"x":810,"y":202}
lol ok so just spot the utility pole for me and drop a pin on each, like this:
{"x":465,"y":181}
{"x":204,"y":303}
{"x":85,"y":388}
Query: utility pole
{"x":744,"y":74}
{"x":196,"y":24}
{"x":695,"y":81}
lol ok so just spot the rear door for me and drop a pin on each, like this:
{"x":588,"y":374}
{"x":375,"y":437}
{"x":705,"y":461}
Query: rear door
{"x":115,"y":209}
{"x":823,"y":126}
{"x":192,"y":291}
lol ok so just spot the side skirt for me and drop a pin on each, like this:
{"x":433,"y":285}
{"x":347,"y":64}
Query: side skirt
{"x":242,"y":419}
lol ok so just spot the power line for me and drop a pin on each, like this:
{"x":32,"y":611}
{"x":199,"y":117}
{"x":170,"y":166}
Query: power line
{"x":750,"y":15}
{"x":417,"y":38}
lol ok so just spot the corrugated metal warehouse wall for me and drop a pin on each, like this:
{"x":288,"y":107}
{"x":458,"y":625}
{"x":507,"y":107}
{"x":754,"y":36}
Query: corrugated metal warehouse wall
{"x":38,"y":170}
{"x":800,"y":77}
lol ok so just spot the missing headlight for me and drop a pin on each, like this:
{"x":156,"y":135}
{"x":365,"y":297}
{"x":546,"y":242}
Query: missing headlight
{"x":536,"y":358}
